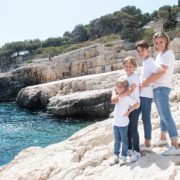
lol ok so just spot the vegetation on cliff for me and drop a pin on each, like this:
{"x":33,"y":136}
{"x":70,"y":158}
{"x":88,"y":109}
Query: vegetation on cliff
{"x":127,"y":23}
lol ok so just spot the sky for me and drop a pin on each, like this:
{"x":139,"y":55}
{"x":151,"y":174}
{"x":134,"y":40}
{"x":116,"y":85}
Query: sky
{"x":31,"y":19}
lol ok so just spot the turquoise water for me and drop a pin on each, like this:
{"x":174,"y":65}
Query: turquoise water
{"x":21,"y":128}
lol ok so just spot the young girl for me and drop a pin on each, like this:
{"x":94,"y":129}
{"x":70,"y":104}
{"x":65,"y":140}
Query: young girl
{"x":130,"y":65}
{"x":146,"y":93}
{"x":121,"y":112}
{"x":162,"y":87}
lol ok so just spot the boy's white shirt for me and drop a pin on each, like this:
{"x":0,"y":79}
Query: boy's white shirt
{"x":167,"y":59}
{"x":120,"y":109}
{"x":149,"y":67}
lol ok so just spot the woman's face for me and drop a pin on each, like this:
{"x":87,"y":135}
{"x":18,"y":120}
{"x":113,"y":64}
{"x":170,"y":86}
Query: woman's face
{"x":142,"y":52}
{"x":129,"y":68}
{"x":160,"y":44}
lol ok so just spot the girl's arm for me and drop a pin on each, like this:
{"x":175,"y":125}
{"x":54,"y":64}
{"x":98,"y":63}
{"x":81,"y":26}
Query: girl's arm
{"x":132,"y":108}
{"x":129,"y":90}
{"x":155,"y":76}
{"x":114,"y":97}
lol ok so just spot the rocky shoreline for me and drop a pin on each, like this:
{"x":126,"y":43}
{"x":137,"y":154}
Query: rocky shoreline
{"x":86,"y":155}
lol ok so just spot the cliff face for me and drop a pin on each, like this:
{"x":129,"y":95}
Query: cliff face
{"x":86,"y":155}
{"x":90,"y":60}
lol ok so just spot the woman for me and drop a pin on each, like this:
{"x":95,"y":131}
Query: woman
{"x":162,"y":86}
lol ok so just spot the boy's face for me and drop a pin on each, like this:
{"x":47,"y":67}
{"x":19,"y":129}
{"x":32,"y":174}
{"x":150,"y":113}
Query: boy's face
{"x":143,"y":53}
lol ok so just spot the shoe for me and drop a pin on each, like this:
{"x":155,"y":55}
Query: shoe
{"x":172,"y":151}
{"x":160,"y":142}
{"x":122,"y":161}
{"x":135,"y":156}
{"x":129,"y":153}
{"x":114,"y":161}
{"x":143,"y":147}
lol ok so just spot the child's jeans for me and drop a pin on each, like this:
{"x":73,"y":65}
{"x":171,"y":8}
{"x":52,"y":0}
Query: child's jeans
{"x":145,"y":109}
{"x":133,"y":135}
{"x":120,"y":136}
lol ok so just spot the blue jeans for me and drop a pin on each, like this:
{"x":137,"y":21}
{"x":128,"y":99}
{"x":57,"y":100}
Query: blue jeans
{"x":120,"y":136}
{"x":133,"y":135}
{"x":161,"y":98}
{"x":145,"y":109}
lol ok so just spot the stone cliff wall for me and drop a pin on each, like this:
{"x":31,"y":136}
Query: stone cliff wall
{"x":85,"y":61}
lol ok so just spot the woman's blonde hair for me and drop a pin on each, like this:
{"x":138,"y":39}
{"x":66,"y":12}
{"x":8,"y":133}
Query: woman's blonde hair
{"x":130,"y":60}
{"x":123,"y":83}
{"x":164,"y":36}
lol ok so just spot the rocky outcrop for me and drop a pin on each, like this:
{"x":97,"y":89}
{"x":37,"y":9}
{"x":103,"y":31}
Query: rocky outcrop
{"x":75,"y":96}
{"x":39,"y":95}
{"x":12,"y":82}
{"x":91,"y":104}
{"x":86,"y":156}
{"x":83,"y":96}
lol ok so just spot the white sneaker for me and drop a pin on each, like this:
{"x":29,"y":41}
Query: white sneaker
{"x":114,"y":161}
{"x":122,"y":161}
{"x":160,"y":142}
{"x":172,"y":151}
{"x":129,"y":153}
{"x":135,"y":156}
{"x":143,"y":147}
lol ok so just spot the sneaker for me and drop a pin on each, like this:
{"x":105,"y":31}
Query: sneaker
{"x":172,"y":151}
{"x":135,"y":156}
{"x":160,"y":142}
{"x":122,"y":161}
{"x":114,"y":161}
{"x":129,"y":153}
{"x":143,"y":147}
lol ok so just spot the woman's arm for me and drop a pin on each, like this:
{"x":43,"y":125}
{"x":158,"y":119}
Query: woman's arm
{"x":155,"y":76}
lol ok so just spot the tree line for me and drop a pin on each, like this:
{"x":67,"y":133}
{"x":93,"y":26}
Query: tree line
{"x":128,"y":23}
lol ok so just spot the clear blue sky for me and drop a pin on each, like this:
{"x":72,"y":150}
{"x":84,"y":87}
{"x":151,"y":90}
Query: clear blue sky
{"x":30,"y":19}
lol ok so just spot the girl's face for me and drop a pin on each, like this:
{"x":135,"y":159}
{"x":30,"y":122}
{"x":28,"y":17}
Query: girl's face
{"x":120,"y":89}
{"x":129,"y":68}
{"x":160,"y":44}
{"x":142,"y":52}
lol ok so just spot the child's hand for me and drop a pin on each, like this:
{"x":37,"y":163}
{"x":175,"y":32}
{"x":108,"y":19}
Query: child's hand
{"x":143,"y":84}
{"x":127,"y":114}
{"x":114,"y":99}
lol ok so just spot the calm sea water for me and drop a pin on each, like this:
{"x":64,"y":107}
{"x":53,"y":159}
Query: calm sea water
{"x":21,"y":128}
